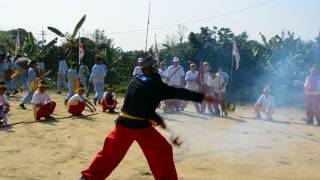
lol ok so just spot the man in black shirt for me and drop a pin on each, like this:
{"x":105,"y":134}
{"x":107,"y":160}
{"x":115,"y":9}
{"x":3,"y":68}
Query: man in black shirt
{"x":142,"y":98}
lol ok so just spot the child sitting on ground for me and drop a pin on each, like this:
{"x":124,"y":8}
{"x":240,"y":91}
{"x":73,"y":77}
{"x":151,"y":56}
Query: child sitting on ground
{"x":43,"y":106}
{"x":109,"y":100}
{"x":4,"y":105}
{"x":77,"y":103}
{"x":265,"y":104}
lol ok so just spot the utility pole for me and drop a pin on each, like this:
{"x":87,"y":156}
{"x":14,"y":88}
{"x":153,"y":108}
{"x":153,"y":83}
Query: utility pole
{"x":43,"y":34}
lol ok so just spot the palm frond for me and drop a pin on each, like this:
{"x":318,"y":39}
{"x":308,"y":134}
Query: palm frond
{"x":78,"y":26}
{"x":56,"y":31}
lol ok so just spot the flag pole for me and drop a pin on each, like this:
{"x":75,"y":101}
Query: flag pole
{"x":145,"y":50}
{"x":231,"y":72}
{"x":79,"y":47}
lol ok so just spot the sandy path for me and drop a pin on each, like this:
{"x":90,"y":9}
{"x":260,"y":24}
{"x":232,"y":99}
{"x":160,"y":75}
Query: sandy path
{"x":234,"y":148}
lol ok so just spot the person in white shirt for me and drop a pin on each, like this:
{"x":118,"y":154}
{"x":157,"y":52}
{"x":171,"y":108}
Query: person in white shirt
{"x":204,"y":74}
{"x":4,"y":105}
{"x":312,"y":96}
{"x":265,"y":104}
{"x":97,"y":76}
{"x":109,"y":101}
{"x":77,"y":103}
{"x":137,"y":70}
{"x":62,"y":75}
{"x":217,"y":85}
{"x":163,"y":71}
{"x":43,"y":105}
{"x":175,"y":76}
{"x":192,"y":81}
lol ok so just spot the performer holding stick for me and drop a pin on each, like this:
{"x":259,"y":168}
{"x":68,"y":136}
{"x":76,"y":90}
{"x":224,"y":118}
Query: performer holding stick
{"x":134,"y":124}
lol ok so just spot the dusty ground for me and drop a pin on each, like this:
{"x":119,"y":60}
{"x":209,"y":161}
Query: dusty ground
{"x":234,"y":148}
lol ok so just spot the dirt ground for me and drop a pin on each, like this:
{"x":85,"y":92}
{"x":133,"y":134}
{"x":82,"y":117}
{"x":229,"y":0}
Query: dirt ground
{"x":237,"y":147}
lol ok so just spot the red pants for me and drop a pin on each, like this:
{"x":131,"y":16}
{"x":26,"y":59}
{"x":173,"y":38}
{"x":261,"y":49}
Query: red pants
{"x":109,"y":107}
{"x":46,"y":110}
{"x":313,"y":107}
{"x":155,"y":147}
{"x":77,"y":109}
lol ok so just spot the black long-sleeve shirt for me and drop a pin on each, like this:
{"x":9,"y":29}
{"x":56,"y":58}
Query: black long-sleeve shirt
{"x":143,"y":96}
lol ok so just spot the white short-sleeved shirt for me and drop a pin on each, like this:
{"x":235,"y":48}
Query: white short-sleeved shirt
{"x":175,"y":73}
{"x":266,"y":101}
{"x":4,"y":100}
{"x":137,"y":71}
{"x":40,"y":98}
{"x":75,"y":99}
{"x":206,"y":76}
{"x":217,"y":83}
{"x":191,"y":79}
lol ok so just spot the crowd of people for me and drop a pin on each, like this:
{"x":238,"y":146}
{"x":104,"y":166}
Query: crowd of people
{"x":205,"y":80}
{"x":20,"y":73}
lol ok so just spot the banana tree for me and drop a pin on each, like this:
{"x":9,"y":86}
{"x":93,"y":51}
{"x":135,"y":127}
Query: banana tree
{"x":71,"y":45}
{"x":31,"y":47}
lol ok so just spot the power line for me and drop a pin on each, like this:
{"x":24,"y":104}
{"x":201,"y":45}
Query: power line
{"x":197,"y":20}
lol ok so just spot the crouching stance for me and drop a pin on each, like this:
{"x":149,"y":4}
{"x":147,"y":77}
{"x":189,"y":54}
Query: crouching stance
{"x":265,"y":104}
{"x":142,"y":98}
{"x":77,"y":103}
{"x":109,"y":100}
{"x":43,"y":106}
{"x":4,"y":105}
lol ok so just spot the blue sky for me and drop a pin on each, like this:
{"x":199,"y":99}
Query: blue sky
{"x":300,"y":16}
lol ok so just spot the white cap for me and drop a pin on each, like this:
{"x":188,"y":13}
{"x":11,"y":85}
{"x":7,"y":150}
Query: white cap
{"x":140,"y":59}
{"x":175,"y":59}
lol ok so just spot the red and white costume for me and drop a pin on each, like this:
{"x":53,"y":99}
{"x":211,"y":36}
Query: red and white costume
{"x":312,"y":91}
{"x":47,"y":105}
{"x":76,"y":104}
{"x":109,"y":101}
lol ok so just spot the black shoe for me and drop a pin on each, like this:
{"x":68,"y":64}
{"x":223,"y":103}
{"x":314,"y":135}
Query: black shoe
{"x":258,"y":116}
{"x":59,"y":92}
{"x":49,"y":117}
{"x":310,"y":122}
{"x":95,"y":101}
{"x":22,"y":106}
{"x":65,"y":102}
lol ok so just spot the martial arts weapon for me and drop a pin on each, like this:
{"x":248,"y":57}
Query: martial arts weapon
{"x":45,"y":74}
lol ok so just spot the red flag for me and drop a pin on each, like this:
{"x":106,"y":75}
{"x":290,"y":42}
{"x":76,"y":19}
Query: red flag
{"x":81,"y":50}
{"x":235,"y":53}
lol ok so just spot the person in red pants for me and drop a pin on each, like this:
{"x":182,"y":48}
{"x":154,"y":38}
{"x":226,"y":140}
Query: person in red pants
{"x":312,"y":95}
{"x":109,"y":100}
{"x":77,"y":103}
{"x":43,"y":105}
{"x":133,"y":124}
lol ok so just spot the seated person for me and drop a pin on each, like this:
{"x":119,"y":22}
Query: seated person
{"x":43,"y":106}
{"x":109,"y":100}
{"x":4,"y":105}
{"x":265,"y":104}
{"x":77,"y":103}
